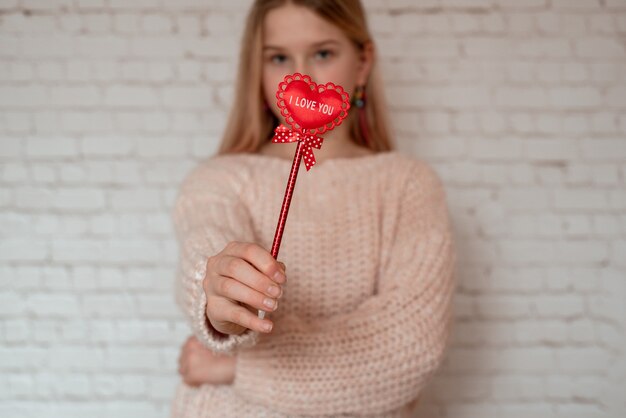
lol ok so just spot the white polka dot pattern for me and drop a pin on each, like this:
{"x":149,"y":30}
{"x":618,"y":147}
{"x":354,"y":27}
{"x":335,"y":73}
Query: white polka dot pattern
{"x":282,"y":134}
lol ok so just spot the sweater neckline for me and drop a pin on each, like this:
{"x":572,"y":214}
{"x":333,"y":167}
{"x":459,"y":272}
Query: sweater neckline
{"x":341,"y":161}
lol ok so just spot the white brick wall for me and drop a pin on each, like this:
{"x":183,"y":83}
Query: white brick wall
{"x":519,"y":104}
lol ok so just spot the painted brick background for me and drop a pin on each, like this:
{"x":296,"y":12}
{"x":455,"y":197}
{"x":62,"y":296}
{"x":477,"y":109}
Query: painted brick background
{"x":520,"y":105}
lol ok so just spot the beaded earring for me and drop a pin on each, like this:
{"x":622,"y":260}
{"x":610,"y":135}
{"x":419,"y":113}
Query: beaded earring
{"x":359,"y":97}
{"x":359,"y":102}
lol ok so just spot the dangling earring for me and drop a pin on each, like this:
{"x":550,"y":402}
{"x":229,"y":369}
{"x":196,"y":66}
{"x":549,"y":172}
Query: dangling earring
{"x":360,"y":100}
{"x":359,"y":97}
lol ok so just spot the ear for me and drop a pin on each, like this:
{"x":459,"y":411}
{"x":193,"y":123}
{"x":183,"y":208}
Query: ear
{"x":366,"y":60}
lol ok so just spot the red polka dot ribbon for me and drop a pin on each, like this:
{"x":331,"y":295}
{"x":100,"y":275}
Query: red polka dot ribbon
{"x":284,"y":134}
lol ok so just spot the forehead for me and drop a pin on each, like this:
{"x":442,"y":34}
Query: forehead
{"x":292,"y":26}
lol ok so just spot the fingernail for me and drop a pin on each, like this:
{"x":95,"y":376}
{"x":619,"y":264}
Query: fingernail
{"x":267,"y":327}
{"x":268,"y":302}
{"x":274,"y":290}
{"x":279,"y":277}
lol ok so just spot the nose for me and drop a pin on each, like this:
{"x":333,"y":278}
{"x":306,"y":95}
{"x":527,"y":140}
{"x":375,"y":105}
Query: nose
{"x":301,"y":66}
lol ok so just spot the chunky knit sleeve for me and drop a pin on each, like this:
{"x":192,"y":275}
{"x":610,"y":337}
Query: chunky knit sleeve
{"x":207,"y":214}
{"x":379,"y":356}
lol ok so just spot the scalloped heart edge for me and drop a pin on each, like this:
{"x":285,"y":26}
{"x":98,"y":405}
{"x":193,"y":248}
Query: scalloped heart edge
{"x":327,"y":86}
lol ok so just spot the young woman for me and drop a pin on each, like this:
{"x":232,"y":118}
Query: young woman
{"x":364,"y":321}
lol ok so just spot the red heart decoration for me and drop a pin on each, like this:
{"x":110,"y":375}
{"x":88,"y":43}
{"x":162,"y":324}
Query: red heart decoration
{"x":309,"y":107}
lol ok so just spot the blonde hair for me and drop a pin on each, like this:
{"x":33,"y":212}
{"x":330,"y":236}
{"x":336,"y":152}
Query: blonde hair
{"x":249,"y":125}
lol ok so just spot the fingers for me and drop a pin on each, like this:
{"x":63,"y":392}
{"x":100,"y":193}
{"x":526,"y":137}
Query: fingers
{"x":184,"y":355}
{"x":198,"y":365}
{"x":193,"y":342}
{"x":182,"y":364}
{"x":189,"y":341}
{"x":244,"y":317}
{"x":259,"y":257}
{"x":241,"y":280}
{"x":223,"y":310}
{"x":240,"y":270}
{"x":185,"y":368}
{"x":191,"y":346}
{"x":237,"y":291}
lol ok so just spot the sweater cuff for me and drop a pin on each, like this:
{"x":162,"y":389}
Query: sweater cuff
{"x":205,"y":333}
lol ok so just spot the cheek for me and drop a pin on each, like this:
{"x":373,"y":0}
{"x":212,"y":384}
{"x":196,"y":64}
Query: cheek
{"x":271,"y":79}
{"x":345,"y":79}
{"x":352,"y":68}
{"x":270,"y":85}
{"x":269,"y":89}
{"x":342,"y":72}
{"x":267,"y":92}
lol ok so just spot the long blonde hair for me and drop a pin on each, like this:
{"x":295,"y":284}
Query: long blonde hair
{"x":249,"y":125}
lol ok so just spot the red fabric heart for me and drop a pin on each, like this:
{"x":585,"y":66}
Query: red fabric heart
{"x":309,"y":107}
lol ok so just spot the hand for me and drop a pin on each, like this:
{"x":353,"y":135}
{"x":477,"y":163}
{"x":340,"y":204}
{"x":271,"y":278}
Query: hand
{"x":237,"y":283}
{"x":198,"y":365}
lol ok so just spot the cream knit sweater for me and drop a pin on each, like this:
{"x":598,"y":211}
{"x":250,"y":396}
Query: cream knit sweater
{"x":365,"y":317}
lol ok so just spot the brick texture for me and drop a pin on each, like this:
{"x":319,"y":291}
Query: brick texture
{"x":520,"y":105}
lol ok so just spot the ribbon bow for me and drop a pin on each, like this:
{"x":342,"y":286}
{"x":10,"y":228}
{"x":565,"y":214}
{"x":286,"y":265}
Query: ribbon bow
{"x":284,"y":134}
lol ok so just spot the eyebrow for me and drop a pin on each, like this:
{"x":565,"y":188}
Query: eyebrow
{"x":315,"y":45}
